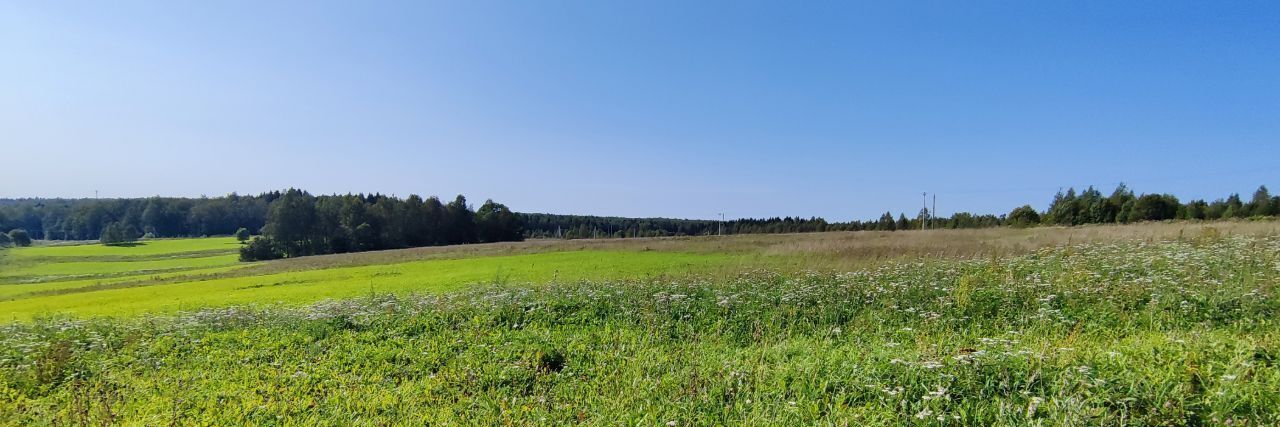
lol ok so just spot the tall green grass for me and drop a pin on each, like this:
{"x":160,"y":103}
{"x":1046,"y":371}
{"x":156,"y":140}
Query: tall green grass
{"x":1175,"y":333}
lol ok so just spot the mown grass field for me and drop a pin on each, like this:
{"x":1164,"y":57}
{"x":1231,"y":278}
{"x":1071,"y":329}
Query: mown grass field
{"x":1160,"y":324}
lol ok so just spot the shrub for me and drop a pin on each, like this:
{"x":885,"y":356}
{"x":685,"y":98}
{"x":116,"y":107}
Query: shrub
{"x":116,"y":233}
{"x":1024,"y":216}
{"x":19,"y":237}
{"x":260,"y":249}
{"x":242,"y":235}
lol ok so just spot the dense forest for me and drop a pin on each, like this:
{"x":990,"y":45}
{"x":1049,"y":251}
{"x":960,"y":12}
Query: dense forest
{"x":299,"y":224}
{"x":296,"y":223}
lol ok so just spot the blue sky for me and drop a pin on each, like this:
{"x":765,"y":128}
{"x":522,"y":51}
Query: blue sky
{"x":681,"y":109}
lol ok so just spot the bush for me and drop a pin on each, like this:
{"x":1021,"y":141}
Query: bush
{"x":5,"y":241}
{"x":260,"y":249}
{"x":19,"y":237}
{"x":116,"y":233}
{"x":242,"y":235}
{"x":1024,"y":216}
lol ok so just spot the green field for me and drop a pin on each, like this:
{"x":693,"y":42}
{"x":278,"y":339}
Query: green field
{"x":57,"y":280}
{"x":1155,"y":326}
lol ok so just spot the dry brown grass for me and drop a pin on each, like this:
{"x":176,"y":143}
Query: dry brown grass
{"x":814,"y":250}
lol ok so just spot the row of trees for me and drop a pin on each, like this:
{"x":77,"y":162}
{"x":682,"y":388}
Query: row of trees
{"x":299,"y":224}
{"x":295,"y":223}
{"x":86,"y":219}
{"x":579,"y":226}
{"x":1069,"y":208}
{"x":1122,"y":206}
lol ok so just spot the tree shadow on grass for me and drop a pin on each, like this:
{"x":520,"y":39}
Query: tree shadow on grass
{"x":125,"y":244}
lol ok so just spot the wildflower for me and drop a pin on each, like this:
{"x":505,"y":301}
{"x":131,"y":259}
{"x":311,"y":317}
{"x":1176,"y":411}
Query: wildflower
{"x":924,"y":413}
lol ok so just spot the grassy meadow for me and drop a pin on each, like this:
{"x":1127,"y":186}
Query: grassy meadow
{"x":1151,"y":324}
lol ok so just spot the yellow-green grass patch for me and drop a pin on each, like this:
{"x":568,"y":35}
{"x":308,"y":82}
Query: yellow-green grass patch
{"x":69,"y":270}
{"x":24,"y":290}
{"x":142,"y":248}
{"x":423,"y":276}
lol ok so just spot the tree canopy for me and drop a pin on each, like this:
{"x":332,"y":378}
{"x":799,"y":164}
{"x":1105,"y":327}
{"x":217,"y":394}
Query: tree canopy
{"x":19,"y":237}
{"x":299,"y":224}
{"x":116,"y":233}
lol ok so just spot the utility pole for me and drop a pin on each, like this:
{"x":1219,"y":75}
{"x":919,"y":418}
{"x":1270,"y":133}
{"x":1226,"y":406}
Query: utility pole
{"x":720,"y":225}
{"x":933,"y":213}
{"x":924,"y":207}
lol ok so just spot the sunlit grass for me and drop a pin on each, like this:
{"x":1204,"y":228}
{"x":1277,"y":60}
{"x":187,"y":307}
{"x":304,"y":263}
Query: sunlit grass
{"x":50,"y":271}
{"x":141,"y":248}
{"x":1135,"y":333}
{"x":420,"y":276}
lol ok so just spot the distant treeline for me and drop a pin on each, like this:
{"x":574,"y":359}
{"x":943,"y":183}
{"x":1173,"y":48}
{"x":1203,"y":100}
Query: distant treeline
{"x":579,"y":227}
{"x":1070,"y":208}
{"x":290,"y":223}
{"x":85,"y":219}
{"x":295,"y":223}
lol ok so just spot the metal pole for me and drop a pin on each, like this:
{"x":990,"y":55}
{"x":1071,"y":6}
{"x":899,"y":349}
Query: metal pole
{"x":925,"y":207}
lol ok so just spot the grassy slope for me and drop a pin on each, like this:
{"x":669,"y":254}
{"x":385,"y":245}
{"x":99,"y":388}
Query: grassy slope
{"x":421,"y":276}
{"x":168,"y":274}
{"x":1135,"y":333}
{"x":165,"y":247}
{"x":49,"y":271}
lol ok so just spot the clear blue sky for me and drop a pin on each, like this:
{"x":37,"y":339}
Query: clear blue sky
{"x":680,"y":109}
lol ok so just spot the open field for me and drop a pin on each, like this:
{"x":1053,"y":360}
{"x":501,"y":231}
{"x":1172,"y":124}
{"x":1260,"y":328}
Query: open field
{"x":1153,"y":324}
{"x":168,"y":275}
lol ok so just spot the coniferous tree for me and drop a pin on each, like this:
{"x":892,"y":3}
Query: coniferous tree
{"x":1261,"y":204}
{"x":1235,"y":209}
